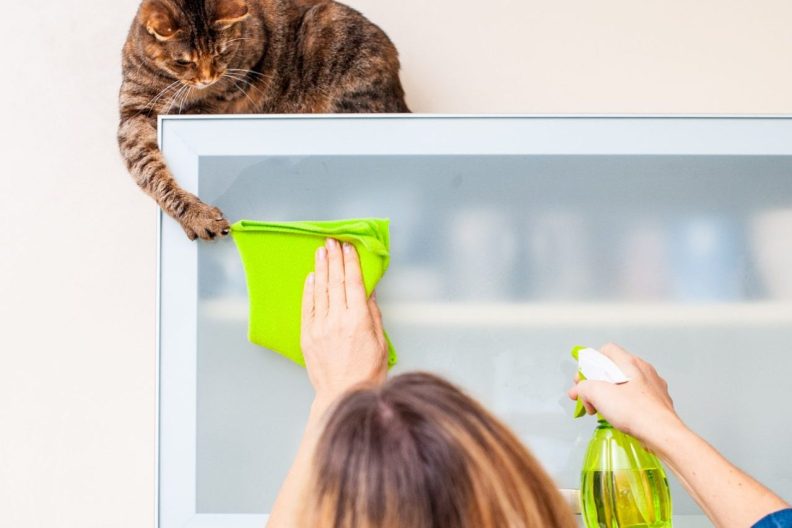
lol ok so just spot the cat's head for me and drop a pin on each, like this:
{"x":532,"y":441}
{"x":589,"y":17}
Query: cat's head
{"x":192,"y":40}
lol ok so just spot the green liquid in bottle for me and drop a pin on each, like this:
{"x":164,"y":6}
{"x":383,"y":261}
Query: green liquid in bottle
{"x":622,"y":484}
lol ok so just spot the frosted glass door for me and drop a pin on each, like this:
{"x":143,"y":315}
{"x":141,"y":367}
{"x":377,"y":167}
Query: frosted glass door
{"x":500,"y":265}
{"x":513,"y":240}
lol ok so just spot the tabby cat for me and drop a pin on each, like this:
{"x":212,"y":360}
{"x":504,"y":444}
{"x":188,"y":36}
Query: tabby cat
{"x":243,"y":57}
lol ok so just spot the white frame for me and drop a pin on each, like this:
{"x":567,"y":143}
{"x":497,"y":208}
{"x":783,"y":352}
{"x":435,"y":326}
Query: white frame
{"x":184,"y":139}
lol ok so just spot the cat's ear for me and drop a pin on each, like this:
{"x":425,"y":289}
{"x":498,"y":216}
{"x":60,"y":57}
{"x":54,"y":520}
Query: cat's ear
{"x":229,"y":12}
{"x":158,"y":20}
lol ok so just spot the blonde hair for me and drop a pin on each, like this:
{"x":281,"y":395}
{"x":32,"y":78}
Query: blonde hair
{"x":419,"y":453}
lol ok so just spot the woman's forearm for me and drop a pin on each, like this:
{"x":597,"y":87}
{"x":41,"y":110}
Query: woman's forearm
{"x":295,"y":491}
{"x":729,"y":497}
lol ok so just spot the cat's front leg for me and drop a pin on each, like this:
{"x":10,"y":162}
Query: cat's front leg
{"x":137,"y":139}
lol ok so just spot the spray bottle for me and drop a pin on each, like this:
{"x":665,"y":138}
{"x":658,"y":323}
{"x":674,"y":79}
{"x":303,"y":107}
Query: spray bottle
{"x":622,"y":484}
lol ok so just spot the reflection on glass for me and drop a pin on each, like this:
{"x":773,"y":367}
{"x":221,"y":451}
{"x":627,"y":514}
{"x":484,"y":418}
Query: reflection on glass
{"x":500,"y":265}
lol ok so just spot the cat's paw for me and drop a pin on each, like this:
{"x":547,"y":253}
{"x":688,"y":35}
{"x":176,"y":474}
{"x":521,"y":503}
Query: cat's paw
{"x":204,"y":222}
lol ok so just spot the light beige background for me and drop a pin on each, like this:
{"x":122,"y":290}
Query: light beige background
{"x":77,"y":240}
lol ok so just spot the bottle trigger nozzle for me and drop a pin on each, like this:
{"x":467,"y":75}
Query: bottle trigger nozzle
{"x":596,"y":366}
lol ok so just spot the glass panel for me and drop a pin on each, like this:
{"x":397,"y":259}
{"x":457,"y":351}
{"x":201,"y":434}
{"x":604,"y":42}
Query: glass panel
{"x":500,"y":265}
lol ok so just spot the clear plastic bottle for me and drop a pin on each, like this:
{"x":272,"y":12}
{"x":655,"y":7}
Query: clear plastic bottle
{"x":622,"y":484}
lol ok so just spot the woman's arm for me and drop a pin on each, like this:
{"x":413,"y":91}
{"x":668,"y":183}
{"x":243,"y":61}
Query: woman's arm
{"x":294,"y":493}
{"x":344,"y":346}
{"x":727,"y":495}
{"x":643,"y":408}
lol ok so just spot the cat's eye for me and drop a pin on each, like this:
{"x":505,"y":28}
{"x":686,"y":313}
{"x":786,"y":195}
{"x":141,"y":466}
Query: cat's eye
{"x":182,"y":62}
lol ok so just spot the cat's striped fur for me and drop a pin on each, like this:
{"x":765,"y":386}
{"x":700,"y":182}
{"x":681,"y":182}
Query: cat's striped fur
{"x":243,"y":56}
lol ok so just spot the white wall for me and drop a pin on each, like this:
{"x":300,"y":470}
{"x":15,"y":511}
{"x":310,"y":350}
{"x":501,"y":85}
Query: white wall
{"x":77,"y":240}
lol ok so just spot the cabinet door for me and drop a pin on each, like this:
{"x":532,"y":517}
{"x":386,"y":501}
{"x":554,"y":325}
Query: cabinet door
{"x":503,"y":259}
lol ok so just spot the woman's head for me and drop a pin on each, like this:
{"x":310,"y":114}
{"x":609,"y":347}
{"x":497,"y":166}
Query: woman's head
{"x":416,"y":452}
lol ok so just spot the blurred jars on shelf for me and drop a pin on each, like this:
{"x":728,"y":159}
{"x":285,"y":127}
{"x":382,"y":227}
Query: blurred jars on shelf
{"x":560,"y":262}
{"x":482,"y":255}
{"x":643,"y":262}
{"x":771,"y":240}
{"x":708,"y":259}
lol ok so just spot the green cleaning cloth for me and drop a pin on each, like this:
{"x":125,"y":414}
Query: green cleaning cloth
{"x":278,"y":256}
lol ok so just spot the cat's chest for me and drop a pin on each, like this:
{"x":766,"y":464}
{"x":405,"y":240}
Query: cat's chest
{"x":237,"y":101}
{"x":259,"y":98}
{"x":238,"y":105}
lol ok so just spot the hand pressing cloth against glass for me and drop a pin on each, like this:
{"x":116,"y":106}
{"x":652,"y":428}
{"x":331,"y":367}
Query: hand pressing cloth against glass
{"x":277,"y":257}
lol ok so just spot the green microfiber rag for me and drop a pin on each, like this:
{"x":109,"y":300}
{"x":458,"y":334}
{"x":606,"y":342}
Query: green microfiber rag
{"x":278,"y":256}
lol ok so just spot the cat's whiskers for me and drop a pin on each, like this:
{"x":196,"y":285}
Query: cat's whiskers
{"x":164,"y":93}
{"x":237,"y":77}
{"x":184,"y":98}
{"x":172,"y":99}
{"x":250,"y":85}
{"x":242,"y":75}
{"x":175,"y":96}
{"x":241,"y":88}
{"x":248,"y":72}
{"x":157,"y":97}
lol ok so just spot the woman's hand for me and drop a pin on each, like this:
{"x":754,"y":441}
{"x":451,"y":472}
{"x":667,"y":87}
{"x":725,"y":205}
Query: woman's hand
{"x":641,"y":407}
{"x":342,"y":338}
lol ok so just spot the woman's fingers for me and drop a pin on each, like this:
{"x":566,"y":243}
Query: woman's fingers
{"x":353,"y":278}
{"x":308,"y":300}
{"x":616,"y":353}
{"x":623,"y":359}
{"x":320,"y":283}
{"x":335,"y":282}
{"x":577,"y":392}
{"x":574,"y":394}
